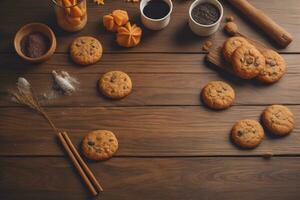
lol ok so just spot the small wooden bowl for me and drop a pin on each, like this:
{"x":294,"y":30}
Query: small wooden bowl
{"x":30,"y":28}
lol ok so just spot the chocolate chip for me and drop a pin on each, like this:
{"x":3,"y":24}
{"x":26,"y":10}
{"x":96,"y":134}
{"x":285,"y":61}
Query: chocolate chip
{"x":249,"y":60}
{"x":240,"y":133}
{"x":113,"y":79}
{"x":271,"y":62}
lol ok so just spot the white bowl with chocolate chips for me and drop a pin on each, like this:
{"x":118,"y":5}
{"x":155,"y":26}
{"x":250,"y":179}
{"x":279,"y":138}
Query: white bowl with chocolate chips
{"x":205,"y":16}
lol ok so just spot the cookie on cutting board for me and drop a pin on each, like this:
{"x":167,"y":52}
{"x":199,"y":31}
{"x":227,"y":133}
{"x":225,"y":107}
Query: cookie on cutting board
{"x":274,"y":68}
{"x":231,"y":44}
{"x":247,"y":62}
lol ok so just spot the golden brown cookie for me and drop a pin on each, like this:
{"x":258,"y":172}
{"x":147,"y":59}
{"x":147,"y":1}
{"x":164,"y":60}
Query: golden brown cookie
{"x":247,"y":62}
{"x":218,"y":95}
{"x":115,"y":84}
{"x":231,"y":44}
{"x":278,"y":119}
{"x":86,"y":50}
{"x":274,"y":68}
{"x":99,"y":145}
{"x":247,"y":133}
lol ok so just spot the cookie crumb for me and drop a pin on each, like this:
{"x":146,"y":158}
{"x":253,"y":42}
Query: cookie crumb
{"x":267,"y":155}
{"x":231,"y":28}
{"x":207,"y":45}
{"x":230,"y":18}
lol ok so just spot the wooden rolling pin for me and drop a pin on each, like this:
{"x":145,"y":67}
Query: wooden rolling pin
{"x":271,"y":28}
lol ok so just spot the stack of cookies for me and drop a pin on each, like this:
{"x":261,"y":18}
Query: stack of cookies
{"x":248,"y":62}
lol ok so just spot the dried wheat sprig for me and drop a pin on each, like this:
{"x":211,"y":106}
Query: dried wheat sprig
{"x":29,"y":99}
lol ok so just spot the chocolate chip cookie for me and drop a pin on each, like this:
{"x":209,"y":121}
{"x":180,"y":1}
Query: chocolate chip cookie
{"x":247,"y":133}
{"x":247,"y":62}
{"x":218,"y":95}
{"x":231,"y":44}
{"x":99,"y":145}
{"x":278,"y":119}
{"x":115,"y":84}
{"x":86,"y":50}
{"x":274,"y":68}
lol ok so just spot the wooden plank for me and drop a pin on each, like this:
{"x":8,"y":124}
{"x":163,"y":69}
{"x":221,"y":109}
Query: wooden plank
{"x":175,"y":38}
{"x":148,"y":179}
{"x":139,"y":63}
{"x":142,"y":131}
{"x":160,"y":89}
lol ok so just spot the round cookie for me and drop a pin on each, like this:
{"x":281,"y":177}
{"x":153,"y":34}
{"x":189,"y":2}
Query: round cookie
{"x":247,"y":133}
{"x":278,"y":119}
{"x":231,"y":44}
{"x":115,"y":84}
{"x":274,"y":67}
{"x":247,"y":62}
{"x":86,"y":50}
{"x":218,"y":95}
{"x":99,"y":145}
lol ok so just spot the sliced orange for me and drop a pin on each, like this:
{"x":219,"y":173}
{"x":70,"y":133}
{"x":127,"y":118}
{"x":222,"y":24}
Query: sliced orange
{"x":74,"y":21}
{"x":76,"y":12}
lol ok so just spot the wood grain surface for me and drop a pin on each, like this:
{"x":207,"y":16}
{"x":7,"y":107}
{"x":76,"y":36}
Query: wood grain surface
{"x":159,"y":178}
{"x":176,"y":38}
{"x":142,"y":131}
{"x":171,"y":79}
{"x":132,"y":63}
{"x":171,"y":145}
{"x":160,"y":89}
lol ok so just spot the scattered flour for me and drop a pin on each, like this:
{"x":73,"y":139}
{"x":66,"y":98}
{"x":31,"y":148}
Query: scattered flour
{"x":64,"y":84}
{"x":23,"y":85}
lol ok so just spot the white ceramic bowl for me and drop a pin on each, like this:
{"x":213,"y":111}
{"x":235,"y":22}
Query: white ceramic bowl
{"x":201,"y":29}
{"x":155,"y":24}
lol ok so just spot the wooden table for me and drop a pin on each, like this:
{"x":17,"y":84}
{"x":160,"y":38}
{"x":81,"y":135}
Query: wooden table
{"x":171,"y":146}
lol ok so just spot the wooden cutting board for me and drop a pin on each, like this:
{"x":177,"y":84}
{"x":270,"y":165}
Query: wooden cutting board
{"x":215,"y":56}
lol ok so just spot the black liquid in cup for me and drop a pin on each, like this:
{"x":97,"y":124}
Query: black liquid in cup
{"x":205,"y":13}
{"x":156,"y":9}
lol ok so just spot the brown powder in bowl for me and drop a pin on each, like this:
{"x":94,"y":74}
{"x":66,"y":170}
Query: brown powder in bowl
{"x":35,"y":45}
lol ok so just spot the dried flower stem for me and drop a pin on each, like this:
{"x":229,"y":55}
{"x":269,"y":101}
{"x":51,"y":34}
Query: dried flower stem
{"x":29,"y":99}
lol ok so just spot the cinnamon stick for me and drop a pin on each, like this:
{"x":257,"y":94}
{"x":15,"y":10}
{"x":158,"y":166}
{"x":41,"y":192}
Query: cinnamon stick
{"x":77,"y":165}
{"x":258,"y":17}
{"x":81,"y":162}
